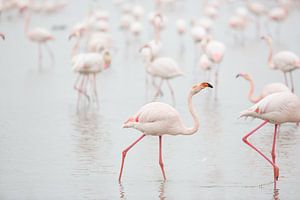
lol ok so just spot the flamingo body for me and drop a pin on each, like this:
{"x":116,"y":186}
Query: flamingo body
{"x":157,"y":119}
{"x":277,"y":108}
{"x":39,"y":35}
{"x":286,"y":61}
{"x":165,"y":68}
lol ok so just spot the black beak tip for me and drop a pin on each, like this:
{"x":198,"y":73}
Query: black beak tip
{"x":209,"y":85}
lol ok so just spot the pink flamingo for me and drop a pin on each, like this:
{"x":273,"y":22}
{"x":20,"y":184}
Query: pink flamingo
{"x":157,"y":119}
{"x":86,"y":64}
{"x":215,"y":51}
{"x":267,"y":90}
{"x":39,"y":35}
{"x":285,"y":61}
{"x":276,"y":108}
{"x":165,"y":68}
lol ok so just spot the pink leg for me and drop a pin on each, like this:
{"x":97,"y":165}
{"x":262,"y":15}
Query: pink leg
{"x":160,"y":157}
{"x":276,"y":169}
{"x":50,"y":53}
{"x":84,"y":86}
{"x":285,"y":79}
{"x":172,"y":92}
{"x":125,"y":152}
{"x":292,"y":82}
{"x":40,"y":54}
{"x":95,"y":89}
{"x":258,"y":151}
{"x":158,"y":89}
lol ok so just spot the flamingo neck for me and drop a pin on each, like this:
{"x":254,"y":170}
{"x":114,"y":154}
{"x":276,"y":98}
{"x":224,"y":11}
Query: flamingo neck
{"x":251,"y":91}
{"x":270,"y":58}
{"x":194,"y":129}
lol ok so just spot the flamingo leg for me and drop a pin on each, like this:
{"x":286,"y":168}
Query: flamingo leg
{"x":276,"y":169}
{"x":292,"y":82}
{"x":40,"y":54}
{"x":161,"y":164}
{"x":50,"y":52}
{"x":285,"y":79}
{"x":83,"y":87}
{"x":95,"y":89}
{"x":158,"y":89}
{"x":172,"y":91}
{"x":125,"y":152}
{"x":156,"y":86}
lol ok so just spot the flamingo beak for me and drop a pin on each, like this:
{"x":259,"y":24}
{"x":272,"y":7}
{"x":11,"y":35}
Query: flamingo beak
{"x":72,"y":35}
{"x":2,"y":36}
{"x":238,"y":75}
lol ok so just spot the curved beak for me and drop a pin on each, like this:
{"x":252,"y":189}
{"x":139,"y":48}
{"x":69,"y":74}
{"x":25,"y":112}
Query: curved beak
{"x":238,"y":75}
{"x":72,"y":35}
{"x":209,"y":85}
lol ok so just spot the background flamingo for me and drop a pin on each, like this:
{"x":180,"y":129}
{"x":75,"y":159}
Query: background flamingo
{"x":285,"y":61}
{"x":86,"y":64}
{"x":39,"y":35}
{"x":267,"y":89}
{"x":157,"y":119}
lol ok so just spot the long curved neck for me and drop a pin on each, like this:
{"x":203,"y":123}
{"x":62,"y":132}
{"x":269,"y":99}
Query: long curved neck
{"x":251,"y":91}
{"x":270,"y":58}
{"x":194,"y":129}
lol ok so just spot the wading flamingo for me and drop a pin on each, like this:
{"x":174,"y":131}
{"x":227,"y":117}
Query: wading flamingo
{"x":267,"y":89}
{"x":276,"y":108}
{"x":86,"y":64}
{"x":157,"y":119}
{"x":164,"y":68}
{"x":285,"y":61}
{"x":39,"y":35}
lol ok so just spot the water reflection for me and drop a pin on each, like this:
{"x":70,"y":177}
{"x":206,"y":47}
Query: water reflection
{"x":121,"y":190}
{"x":87,"y":138}
{"x":162,"y":190}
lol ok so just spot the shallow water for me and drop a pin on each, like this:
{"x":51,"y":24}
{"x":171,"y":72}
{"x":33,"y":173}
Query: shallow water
{"x":50,"y":149}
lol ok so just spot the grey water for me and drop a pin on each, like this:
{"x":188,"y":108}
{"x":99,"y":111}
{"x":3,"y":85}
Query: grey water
{"x":51,"y":149}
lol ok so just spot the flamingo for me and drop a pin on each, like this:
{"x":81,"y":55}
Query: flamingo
{"x":215,"y":51}
{"x":158,"y":21}
{"x":39,"y":35}
{"x":158,"y":119}
{"x":276,"y":108}
{"x":267,"y":89}
{"x":89,"y":63}
{"x":164,"y":68}
{"x":285,"y":61}
{"x":206,"y":64}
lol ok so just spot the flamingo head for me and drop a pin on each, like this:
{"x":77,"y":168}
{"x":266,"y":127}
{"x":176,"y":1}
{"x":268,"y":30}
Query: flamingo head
{"x":200,"y":86}
{"x":146,"y":52}
{"x":106,"y":58}
{"x":2,"y":36}
{"x":267,"y":38}
{"x":217,"y":57}
{"x":244,"y":75}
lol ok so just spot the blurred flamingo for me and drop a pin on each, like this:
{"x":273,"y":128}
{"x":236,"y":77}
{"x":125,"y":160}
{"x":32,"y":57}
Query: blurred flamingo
{"x":285,"y":61}
{"x":165,"y":68}
{"x":39,"y":35}
{"x":86,"y":64}
{"x":267,"y":89}
{"x":158,"y":119}
{"x":2,"y":36}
